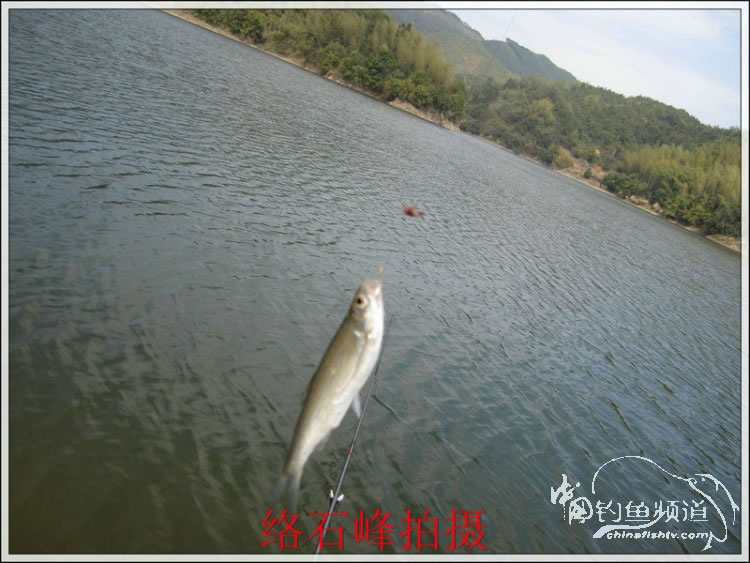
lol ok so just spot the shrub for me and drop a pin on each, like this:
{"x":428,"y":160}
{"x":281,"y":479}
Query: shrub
{"x":562,"y":159}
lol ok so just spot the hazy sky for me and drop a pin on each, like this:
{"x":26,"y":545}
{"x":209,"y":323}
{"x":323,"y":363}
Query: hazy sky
{"x":689,"y":59}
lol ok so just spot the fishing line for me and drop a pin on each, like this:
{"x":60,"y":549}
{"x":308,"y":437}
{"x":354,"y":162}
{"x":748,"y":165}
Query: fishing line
{"x":334,"y":500}
{"x":510,"y":24}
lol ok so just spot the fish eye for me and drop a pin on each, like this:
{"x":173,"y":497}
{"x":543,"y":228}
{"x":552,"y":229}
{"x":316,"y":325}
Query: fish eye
{"x":360,"y":301}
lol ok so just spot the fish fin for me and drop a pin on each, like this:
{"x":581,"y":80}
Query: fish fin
{"x":289,"y":484}
{"x":279,"y":489}
{"x":356,"y":406}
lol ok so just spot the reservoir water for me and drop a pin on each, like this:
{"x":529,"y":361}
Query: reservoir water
{"x":188,"y":221}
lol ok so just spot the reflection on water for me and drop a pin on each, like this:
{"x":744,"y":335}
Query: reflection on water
{"x":188,"y":221}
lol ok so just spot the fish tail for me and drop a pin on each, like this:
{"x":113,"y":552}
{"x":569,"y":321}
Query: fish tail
{"x":289,"y":484}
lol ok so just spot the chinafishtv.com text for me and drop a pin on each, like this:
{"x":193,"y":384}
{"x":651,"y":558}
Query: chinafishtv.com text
{"x":649,"y":535}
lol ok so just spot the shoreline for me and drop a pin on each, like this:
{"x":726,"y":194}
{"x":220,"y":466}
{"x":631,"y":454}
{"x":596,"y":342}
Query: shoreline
{"x":726,"y":241}
{"x":431,"y":116}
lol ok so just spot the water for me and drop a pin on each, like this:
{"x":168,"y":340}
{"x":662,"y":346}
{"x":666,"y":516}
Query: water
{"x":188,"y":221}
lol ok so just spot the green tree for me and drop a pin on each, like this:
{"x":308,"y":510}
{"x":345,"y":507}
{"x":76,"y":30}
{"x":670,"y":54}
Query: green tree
{"x":561,"y":159}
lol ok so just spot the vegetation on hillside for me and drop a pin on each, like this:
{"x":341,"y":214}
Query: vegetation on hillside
{"x":473,"y":56}
{"x":367,"y":48}
{"x":435,"y":21}
{"x":697,"y":186}
{"x":536,"y":116}
{"x":469,"y":57}
{"x":690,"y":171}
{"x":523,"y":62}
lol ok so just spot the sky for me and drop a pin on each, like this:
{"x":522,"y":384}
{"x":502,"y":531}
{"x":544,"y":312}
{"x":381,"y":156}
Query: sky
{"x":688,"y":58}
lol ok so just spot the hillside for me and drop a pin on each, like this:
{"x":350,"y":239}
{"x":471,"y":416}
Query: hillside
{"x":471,"y":55}
{"x":523,"y":62}
{"x":663,"y":157}
{"x":533,"y":116}
{"x":365,"y":49}
{"x":461,"y":46}
{"x":435,"y":21}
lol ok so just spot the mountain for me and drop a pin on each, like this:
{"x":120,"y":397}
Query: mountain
{"x":470,"y":54}
{"x":523,"y":62}
{"x":435,"y":21}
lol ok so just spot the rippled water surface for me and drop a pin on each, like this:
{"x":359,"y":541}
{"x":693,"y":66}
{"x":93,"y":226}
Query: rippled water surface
{"x":188,"y":221}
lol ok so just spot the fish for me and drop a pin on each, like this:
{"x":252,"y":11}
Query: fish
{"x":346,"y":365}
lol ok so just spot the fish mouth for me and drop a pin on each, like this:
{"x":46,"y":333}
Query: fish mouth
{"x":374,"y":289}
